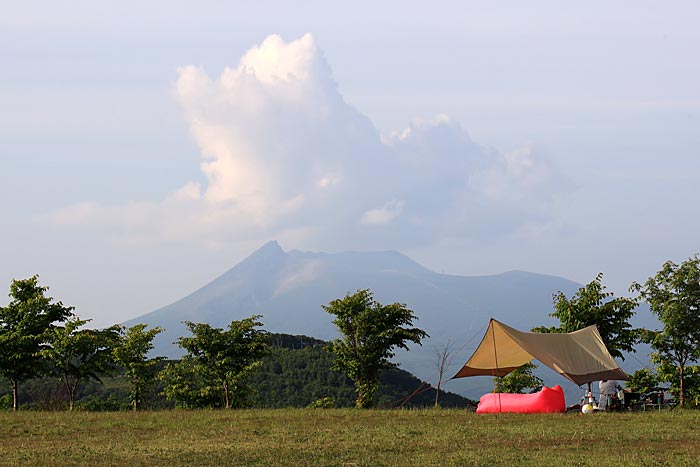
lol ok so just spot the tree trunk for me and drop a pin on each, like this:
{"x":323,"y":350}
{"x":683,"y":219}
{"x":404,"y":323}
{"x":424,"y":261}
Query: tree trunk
{"x":681,"y":394}
{"x":366,"y":388}
{"x":360,"y":401}
{"x":14,"y":395}
{"x":227,"y":394}
{"x":359,"y":392}
{"x":437,"y":393}
{"x":71,"y":391}
{"x":71,"y":396}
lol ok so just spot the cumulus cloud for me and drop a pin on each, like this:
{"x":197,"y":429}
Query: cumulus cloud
{"x":520,"y":175}
{"x":284,"y":154}
{"x":383,"y":215}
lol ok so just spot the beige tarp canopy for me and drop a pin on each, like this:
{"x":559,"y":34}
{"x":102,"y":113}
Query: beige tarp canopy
{"x":579,"y":356}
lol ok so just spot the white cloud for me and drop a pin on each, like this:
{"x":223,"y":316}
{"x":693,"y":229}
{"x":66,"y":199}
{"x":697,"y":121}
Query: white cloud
{"x":517,"y":176}
{"x":284,"y":154}
{"x":383,"y":215}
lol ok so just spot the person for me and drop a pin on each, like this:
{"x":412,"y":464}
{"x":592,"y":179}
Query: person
{"x":608,"y":388}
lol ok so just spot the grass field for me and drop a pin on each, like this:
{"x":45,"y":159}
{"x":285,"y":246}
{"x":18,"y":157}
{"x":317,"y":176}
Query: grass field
{"x":347,"y":437}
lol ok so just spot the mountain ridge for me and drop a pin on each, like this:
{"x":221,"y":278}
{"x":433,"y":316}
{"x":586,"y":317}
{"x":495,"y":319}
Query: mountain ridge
{"x":289,"y":288}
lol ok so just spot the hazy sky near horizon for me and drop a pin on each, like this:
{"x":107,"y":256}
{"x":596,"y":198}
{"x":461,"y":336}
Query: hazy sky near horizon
{"x":147,"y":147}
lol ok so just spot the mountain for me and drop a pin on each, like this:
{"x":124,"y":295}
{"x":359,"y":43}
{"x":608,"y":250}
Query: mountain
{"x":289,"y":288}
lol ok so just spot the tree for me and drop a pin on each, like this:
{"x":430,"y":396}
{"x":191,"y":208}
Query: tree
{"x":371,"y":331}
{"x":518,"y":380}
{"x":643,"y":382}
{"x":131,"y":353}
{"x":231,"y":355}
{"x":189,"y":385}
{"x":24,"y":327}
{"x":80,"y":354}
{"x":673,"y":295}
{"x":592,"y":305}
{"x":444,"y":357}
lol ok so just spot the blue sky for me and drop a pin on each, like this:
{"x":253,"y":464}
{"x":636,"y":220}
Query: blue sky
{"x":146,"y":149}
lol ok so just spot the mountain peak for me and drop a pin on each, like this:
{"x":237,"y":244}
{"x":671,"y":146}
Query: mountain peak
{"x":268,"y":254}
{"x":271,"y":247}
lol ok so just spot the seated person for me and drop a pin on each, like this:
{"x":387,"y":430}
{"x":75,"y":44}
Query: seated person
{"x":608,"y":389}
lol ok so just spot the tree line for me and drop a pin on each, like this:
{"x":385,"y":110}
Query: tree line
{"x":296,"y":373}
{"x":39,"y":336}
{"x":673,"y":296}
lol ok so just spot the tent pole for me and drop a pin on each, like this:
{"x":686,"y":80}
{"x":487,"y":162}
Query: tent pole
{"x":495,"y":357}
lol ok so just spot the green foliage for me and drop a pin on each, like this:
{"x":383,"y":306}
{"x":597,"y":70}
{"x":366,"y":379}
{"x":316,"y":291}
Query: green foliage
{"x":673,"y":295}
{"x":692,"y":386}
{"x":293,"y":375}
{"x":371,"y":331}
{"x":190,"y":386}
{"x":112,"y":403}
{"x":297,"y":376}
{"x":301,"y":372}
{"x":669,"y":373}
{"x":518,"y":380}
{"x":80,"y":354}
{"x":592,"y":305}
{"x":644,"y":382}
{"x":323,"y":403}
{"x":230,"y":356}
{"x":131,"y":353}
{"x":25,"y":324}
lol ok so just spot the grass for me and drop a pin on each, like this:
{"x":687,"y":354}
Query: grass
{"x":346,"y":437}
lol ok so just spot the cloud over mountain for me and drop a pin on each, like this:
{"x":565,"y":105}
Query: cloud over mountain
{"x":284,"y":155}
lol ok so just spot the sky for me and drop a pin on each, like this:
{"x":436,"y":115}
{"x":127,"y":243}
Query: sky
{"x":147,"y":147}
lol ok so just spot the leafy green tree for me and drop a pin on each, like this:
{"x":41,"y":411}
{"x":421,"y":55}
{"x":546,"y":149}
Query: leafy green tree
{"x":80,"y":354}
{"x":593,"y":305}
{"x":371,"y":331}
{"x":230,"y":355}
{"x":672,"y":359}
{"x":668,"y":373}
{"x":518,"y":380}
{"x":190,"y":386}
{"x":673,"y":295}
{"x":25,"y":324}
{"x":644,"y":382}
{"x":691,"y":385}
{"x":131,"y":353}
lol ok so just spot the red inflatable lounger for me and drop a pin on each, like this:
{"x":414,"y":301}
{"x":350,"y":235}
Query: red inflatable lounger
{"x":548,"y":400}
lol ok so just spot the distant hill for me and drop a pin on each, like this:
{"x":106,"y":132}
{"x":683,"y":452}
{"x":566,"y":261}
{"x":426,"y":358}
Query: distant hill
{"x":299,"y":372}
{"x":296,"y":373}
{"x":289,"y":288}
